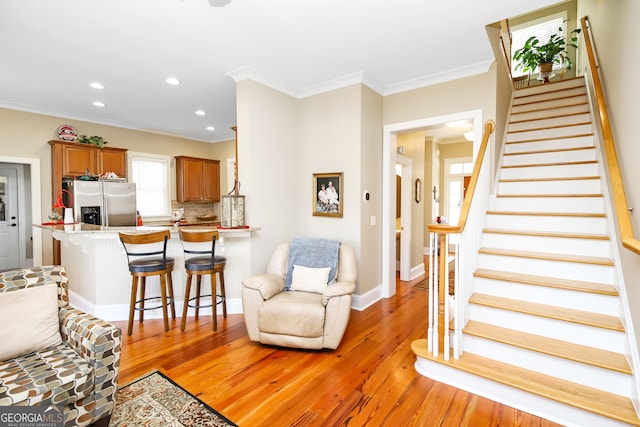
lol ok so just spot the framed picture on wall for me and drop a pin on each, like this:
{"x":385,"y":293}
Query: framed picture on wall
{"x":327,"y":194}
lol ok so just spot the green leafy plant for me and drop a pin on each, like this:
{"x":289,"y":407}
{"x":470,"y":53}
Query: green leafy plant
{"x":554,"y":51}
{"x":93,"y":140}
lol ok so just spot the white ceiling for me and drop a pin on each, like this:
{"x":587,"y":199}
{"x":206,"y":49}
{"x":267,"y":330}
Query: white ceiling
{"x":52,"y":50}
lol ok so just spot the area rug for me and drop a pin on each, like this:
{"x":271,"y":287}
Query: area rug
{"x":156,"y":401}
{"x":424,"y":285}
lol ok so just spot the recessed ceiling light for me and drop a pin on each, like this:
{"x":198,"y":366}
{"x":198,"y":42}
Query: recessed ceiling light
{"x":96,"y":85}
{"x":99,"y":104}
{"x":172,"y":81}
{"x":200,"y":113}
{"x":210,"y":128}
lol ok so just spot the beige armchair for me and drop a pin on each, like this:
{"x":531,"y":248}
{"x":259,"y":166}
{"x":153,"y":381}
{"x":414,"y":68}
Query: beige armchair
{"x":294,"y":318}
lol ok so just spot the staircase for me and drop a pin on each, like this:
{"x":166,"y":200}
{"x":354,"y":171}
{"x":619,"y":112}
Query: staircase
{"x":545,"y":332}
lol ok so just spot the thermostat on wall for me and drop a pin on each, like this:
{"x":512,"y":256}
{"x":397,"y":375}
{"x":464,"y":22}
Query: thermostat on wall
{"x":366,"y":196}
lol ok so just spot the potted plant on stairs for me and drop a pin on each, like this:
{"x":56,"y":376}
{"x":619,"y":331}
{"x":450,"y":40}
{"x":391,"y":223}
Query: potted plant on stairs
{"x":543,"y":56}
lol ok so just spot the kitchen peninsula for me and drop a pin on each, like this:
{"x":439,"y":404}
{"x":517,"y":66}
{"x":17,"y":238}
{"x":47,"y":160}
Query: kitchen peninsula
{"x":99,"y":278}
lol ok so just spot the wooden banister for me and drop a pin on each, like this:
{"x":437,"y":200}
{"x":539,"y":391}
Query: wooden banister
{"x":619,"y":197}
{"x":489,"y":127}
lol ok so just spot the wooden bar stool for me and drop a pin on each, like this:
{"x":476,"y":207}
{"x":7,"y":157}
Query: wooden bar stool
{"x":147,"y":256}
{"x":207,"y":262}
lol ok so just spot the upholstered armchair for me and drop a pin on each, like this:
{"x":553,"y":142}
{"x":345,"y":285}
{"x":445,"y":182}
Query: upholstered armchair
{"x":308,"y":314}
{"x":53,"y":354}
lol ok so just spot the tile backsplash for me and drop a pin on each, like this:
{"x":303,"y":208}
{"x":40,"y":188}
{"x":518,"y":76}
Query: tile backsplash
{"x":193,"y":209}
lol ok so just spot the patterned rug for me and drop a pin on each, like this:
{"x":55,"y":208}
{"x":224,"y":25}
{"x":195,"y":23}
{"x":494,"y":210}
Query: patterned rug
{"x":424,"y":285}
{"x":156,"y":401}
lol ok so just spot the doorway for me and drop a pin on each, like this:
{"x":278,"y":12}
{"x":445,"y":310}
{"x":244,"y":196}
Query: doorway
{"x":389,"y":159}
{"x":25,"y":210}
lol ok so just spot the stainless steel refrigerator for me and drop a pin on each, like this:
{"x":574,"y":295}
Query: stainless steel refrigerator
{"x":112,"y":204}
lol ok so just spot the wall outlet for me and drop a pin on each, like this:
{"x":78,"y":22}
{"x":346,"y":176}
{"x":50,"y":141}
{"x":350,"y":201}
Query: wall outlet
{"x":373,"y":220}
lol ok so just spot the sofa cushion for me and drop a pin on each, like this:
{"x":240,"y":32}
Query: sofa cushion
{"x":56,"y":375}
{"x":309,"y":279}
{"x":30,"y":319}
{"x":292,"y":313}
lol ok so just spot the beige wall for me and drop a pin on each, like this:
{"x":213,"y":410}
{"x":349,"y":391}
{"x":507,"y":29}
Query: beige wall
{"x":613,"y":31}
{"x":26,"y":135}
{"x":414,"y":148}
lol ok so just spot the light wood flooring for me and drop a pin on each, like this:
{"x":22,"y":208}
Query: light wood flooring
{"x":370,"y":380}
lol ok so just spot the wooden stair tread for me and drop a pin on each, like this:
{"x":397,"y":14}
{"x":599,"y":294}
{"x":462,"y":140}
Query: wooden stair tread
{"x":550,"y":97}
{"x":571,"y":214}
{"x":573,"y":195}
{"x":555,"y":150}
{"x":550,"y":138}
{"x":566,"y":350}
{"x":550,"y":116}
{"x":530,"y":165}
{"x":560,"y":126}
{"x":548,"y":256}
{"x":558,"y":178}
{"x":587,"y":398}
{"x":547,"y":234}
{"x":552,"y":312}
{"x":552,"y":282}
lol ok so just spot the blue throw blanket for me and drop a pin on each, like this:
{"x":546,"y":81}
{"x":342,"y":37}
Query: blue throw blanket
{"x":314,"y":253}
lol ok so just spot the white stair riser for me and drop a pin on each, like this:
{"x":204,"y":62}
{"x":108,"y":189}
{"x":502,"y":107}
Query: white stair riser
{"x":561,"y":269}
{"x":591,"y":376}
{"x":554,"y":245}
{"x":532,"y":115}
{"x":551,"y":204}
{"x":568,"y":224}
{"x":576,"y":333}
{"x":551,"y":121}
{"x":545,"y":97}
{"x":574,"y":186}
{"x":549,"y":87}
{"x":584,"y":301}
{"x":555,"y":171}
{"x":551,"y":144}
{"x":581,"y":155}
{"x":550,"y":133}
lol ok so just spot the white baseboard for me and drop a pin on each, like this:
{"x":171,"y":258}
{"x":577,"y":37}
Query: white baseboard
{"x":361,"y":302}
{"x":117,"y":312}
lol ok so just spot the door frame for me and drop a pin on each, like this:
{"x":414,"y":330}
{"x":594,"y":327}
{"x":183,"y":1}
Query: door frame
{"x":36,"y":201}
{"x":389,"y":154}
{"x":405,"y":219}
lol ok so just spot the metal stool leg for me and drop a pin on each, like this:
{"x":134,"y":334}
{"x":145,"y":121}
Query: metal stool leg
{"x":214,"y":306}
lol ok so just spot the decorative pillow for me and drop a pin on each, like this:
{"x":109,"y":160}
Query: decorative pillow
{"x":309,"y":279}
{"x":30,"y":322}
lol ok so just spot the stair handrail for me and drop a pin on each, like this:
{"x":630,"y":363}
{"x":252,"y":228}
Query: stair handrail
{"x":489,"y":127}
{"x":629,"y":241}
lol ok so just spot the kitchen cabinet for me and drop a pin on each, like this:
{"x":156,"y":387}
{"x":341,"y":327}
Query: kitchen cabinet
{"x":197,"y":179}
{"x":72,"y":159}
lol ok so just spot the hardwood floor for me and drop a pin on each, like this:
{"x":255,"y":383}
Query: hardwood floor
{"x":369,"y":380}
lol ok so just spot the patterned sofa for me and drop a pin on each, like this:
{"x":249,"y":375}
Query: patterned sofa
{"x":80,"y":373}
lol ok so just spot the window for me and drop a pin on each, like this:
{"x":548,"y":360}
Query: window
{"x":150,"y":172}
{"x":542,"y":28}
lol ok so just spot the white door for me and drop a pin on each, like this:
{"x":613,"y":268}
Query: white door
{"x":9,"y":240}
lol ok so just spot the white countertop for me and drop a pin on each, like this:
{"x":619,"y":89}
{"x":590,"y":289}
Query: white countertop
{"x":82,"y":228}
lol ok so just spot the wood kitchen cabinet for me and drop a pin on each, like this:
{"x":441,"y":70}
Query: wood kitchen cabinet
{"x":72,"y":159}
{"x":197,"y":179}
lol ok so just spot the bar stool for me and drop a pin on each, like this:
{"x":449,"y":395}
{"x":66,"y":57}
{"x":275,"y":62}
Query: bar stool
{"x":207,"y":262}
{"x":145,"y":258}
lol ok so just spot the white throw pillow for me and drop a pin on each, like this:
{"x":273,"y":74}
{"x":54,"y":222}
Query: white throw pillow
{"x":309,"y":279}
{"x":30,"y":320}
